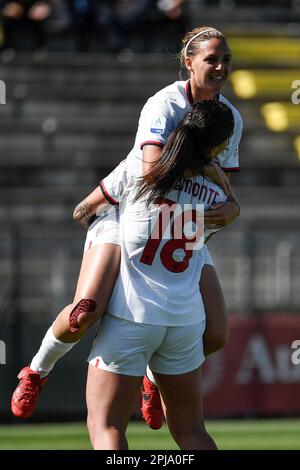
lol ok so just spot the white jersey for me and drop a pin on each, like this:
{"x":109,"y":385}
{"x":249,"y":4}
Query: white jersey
{"x":160,"y":268}
{"x":164,"y":112}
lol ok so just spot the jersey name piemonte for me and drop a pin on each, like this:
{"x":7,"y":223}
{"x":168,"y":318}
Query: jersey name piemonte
{"x":161,"y":245}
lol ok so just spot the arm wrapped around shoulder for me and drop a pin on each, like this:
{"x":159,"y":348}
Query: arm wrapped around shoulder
{"x":218,"y":176}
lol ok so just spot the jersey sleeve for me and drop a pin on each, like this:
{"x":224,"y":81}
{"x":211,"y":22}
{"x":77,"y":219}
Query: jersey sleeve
{"x":229,"y":158}
{"x":114,"y":185}
{"x":156,"y":123}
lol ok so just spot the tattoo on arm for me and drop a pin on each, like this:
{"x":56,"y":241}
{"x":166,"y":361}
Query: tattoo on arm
{"x":83,"y":214}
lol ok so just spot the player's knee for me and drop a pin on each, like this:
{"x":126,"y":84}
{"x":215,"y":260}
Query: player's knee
{"x":96,"y":430}
{"x":185,"y":436}
{"x":91,"y":425}
{"x":83,"y":315}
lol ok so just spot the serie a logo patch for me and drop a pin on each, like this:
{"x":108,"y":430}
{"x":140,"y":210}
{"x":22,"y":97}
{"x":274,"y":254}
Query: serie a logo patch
{"x":158,"y":125}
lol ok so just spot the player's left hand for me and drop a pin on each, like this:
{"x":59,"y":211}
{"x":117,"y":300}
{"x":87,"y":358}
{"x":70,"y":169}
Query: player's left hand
{"x":221,"y":214}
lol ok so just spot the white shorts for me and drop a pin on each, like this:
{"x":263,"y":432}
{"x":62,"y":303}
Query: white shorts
{"x":105,"y":229}
{"x":126,"y":347}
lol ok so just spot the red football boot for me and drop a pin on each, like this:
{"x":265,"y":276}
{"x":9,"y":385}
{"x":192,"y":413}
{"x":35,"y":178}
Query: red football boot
{"x":25,"y":397}
{"x":151,"y":405}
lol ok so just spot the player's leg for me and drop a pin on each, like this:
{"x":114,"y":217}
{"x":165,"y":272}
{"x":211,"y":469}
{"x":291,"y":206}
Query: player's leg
{"x":110,"y":401}
{"x":99,"y":270}
{"x":216,"y":332}
{"x":176,"y":365}
{"x":182,"y":395}
{"x":215,"y":337}
{"x":97,"y":277}
{"x":118,"y":359}
{"x":98,"y":273}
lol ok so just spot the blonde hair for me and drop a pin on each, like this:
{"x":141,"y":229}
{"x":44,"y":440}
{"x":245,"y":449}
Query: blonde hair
{"x":192,"y":39}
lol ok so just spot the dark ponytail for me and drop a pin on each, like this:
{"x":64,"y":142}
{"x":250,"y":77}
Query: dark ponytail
{"x":207,"y":125}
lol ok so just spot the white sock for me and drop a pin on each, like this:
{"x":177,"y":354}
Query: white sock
{"x":151,"y":376}
{"x":50,"y":351}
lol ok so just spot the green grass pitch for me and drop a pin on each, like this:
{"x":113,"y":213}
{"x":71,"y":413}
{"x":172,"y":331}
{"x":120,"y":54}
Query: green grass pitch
{"x":280,"y":434}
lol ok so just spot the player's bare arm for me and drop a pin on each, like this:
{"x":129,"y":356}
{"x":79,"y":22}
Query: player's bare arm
{"x":151,"y":153}
{"x":85,"y":212}
{"x":214,"y":172}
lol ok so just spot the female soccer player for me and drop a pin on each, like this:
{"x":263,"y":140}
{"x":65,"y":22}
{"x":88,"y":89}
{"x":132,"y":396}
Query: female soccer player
{"x":156,"y":314}
{"x":207,"y":57}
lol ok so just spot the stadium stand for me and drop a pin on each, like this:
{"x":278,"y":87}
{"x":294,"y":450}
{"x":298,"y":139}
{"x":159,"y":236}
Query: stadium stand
{"x":69,"y":118}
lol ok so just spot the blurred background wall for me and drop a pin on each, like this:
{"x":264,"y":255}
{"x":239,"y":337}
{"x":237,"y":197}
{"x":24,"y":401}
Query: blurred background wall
{"x":77,"y":74}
